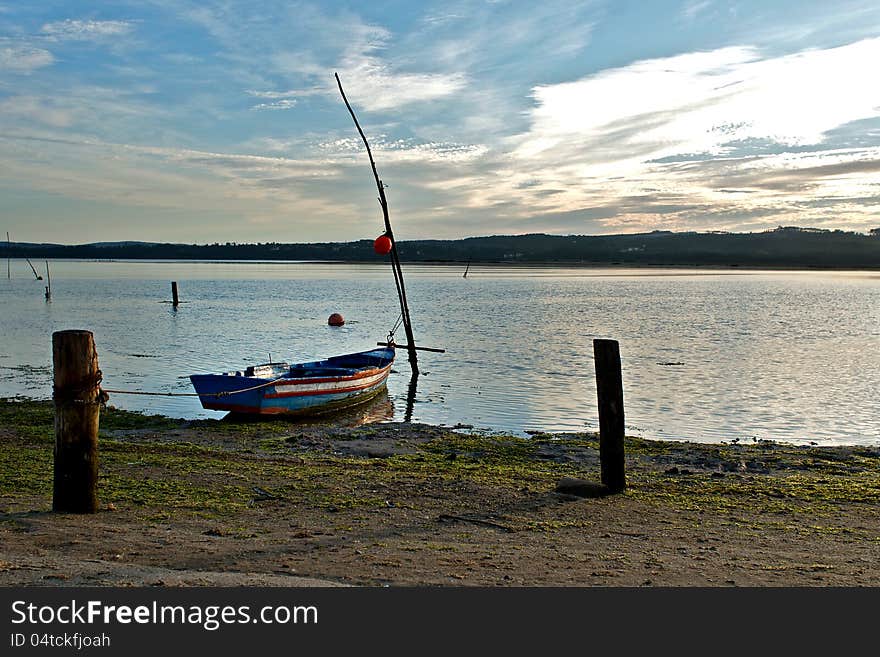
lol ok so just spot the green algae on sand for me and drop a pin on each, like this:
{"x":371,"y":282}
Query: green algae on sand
{"x":436,"y":505}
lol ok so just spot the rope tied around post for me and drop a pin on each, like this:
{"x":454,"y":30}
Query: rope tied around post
{"x":73,"y":393}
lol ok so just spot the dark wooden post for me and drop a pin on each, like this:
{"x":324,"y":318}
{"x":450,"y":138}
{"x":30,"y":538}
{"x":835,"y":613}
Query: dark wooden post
{"x":175,"y":301}
{"x":77,"y":410}
{"x":609,"y":385}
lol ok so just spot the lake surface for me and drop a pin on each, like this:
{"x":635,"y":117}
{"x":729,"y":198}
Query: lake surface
{"x":707,"y":355}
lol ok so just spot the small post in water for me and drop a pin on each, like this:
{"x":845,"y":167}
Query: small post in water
{"x":609,"y":386}
{"x":175,"y":301}
{"x":78,"y":398}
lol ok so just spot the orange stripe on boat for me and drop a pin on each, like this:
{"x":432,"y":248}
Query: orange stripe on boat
{"x":333,"y":391}
{"x":350,"y":377}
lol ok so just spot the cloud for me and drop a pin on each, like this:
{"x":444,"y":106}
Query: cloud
{"x":701,"y":124}
{"x":33,"y":108}
{"x":23,"y":59}
{"x":493,"y":36}
{"x":85,"y":30}
{"x":301,"y":45}
{"x":375,"y":86}
{"x":283,"y":104}
{"x":371,"y":82}
{"x":232,"y":165}
{"x":482,"y":118}
{"x":281,"y":99}
{"x":183,"y":192}
{"x":693,"y":8}
{"x":273,"y":94}
{"x":706,"y":100}
{"x":403,"y":150}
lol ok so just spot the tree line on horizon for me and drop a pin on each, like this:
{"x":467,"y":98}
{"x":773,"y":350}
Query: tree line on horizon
{"x":784,"y":247}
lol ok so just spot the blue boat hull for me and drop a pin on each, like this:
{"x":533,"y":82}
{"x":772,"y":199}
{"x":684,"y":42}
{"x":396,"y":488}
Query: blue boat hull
{"x":301,"y":389}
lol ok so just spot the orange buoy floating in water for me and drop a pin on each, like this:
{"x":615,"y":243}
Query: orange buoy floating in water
{"x":335,"y":320}
{"x":382,"y":245}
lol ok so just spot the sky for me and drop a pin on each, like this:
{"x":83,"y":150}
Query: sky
{"x":220,"y":120}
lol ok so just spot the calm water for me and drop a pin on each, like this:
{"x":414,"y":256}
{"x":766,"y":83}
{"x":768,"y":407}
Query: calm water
{"x":707,"y":355}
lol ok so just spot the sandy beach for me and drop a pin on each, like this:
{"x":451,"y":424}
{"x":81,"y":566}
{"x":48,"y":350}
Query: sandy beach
{"x":287,"y":504}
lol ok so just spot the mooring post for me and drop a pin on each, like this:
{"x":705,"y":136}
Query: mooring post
{"x":78,"y":399}
{"x":609,"y":386}
{"x":175,"y":301}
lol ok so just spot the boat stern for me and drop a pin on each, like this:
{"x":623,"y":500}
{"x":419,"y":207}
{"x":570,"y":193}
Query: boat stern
{"x":224,"y":392}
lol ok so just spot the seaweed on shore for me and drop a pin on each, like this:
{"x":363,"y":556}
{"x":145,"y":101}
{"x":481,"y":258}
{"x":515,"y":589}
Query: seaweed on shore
{"x":211,"y":468}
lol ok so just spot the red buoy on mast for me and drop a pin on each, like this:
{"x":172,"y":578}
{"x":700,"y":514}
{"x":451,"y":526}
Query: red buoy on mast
{"x":382,"y":245}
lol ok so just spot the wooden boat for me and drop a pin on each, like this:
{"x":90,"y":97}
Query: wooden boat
{"x":312,"y":388}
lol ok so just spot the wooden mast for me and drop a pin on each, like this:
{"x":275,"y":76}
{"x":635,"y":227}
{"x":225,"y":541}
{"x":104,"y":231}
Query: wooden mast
{"x":34,"y":269}
{"x":395,"y":258}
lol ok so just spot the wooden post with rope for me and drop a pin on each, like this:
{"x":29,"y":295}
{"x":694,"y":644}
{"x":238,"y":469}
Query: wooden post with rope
{"x":395,"y":258}
{"x":78,"y":398}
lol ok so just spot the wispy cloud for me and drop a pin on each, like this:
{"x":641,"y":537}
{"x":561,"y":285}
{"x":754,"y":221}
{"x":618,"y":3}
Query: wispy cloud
{"x":278,"y":100}
{"x":377,"y":84}
{"x":22,"y":58}
{"x":378,"y":87}
{"x":85,"y":30}
{"x":396,"y":151}
{"x":303,"y":44}
{"x":167,"y":184}
{"x":283,"y":104}
{"x":692,"y":8}
{"x":273,"y":94}
{"x":47,"y":111}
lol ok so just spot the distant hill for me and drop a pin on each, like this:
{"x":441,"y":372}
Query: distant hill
{"x":782,"y":247}
{"x":114,"y":245}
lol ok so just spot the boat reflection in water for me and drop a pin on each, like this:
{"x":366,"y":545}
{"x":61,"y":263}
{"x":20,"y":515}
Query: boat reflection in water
{"x":378,"y":409}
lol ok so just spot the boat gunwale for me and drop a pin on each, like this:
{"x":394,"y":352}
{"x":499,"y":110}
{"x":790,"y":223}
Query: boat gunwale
{"x":300,"y":393}
{"x":360,"y":374}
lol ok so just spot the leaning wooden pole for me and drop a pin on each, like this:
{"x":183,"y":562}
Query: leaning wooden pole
{"x":78,"y":397}
{"x":395,"y":258}
{"x":34,"y":269}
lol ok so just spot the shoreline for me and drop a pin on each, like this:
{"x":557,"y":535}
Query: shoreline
{"x":513,"y":264}
{"x":214,"y":502}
